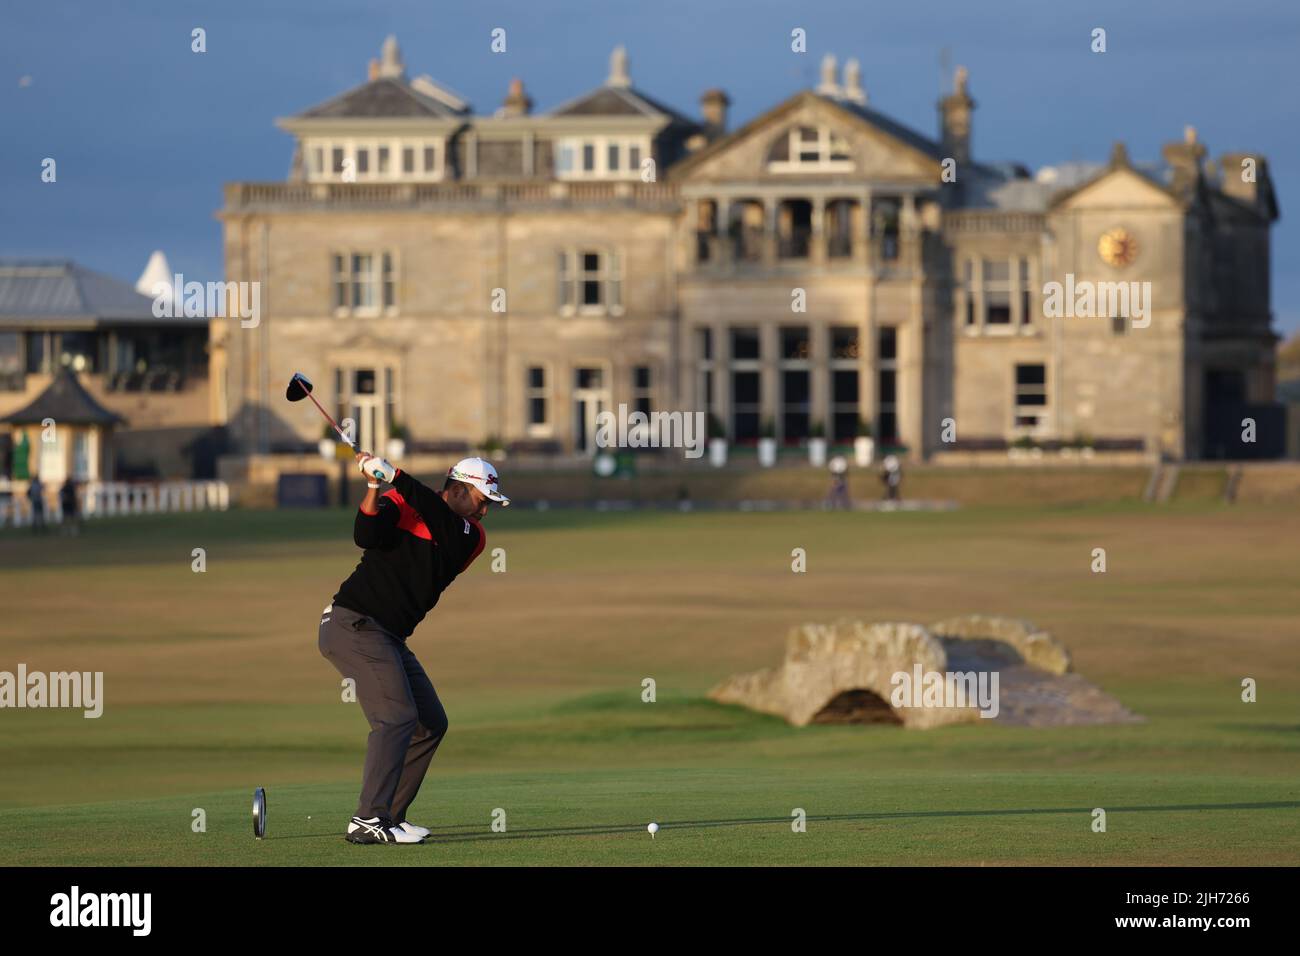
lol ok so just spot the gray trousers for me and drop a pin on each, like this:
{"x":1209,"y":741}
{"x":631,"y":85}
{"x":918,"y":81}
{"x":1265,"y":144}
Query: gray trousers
{"x":407,"y":722}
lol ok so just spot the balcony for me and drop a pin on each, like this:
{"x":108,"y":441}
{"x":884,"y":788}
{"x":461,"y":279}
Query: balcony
{"x":461,"y":196}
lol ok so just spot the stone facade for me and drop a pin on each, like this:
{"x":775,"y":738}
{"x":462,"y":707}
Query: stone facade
{"x":509,"y":276}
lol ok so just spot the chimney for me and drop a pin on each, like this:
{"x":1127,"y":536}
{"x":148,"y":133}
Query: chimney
{"x":390,"y":60}
{"x":373,"y":73}
{"x":955,"y":119}
{"x":1248,"y":182}
{"x":853,"y":91}
{"x":713,"y":107}
{"x":828,"y":86}
{"x":1185,"y":160}
{"x":618,"y":74}
{"x":517,"y":102}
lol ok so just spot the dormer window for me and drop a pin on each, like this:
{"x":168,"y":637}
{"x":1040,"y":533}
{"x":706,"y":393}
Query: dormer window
{"x":370,"y":160}
{"x":810,"y":149}
{"x":600,"y":157}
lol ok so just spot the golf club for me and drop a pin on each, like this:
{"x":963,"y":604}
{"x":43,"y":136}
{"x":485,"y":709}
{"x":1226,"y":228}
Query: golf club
{"x":259,"y":813}
{"x":299,"y":388}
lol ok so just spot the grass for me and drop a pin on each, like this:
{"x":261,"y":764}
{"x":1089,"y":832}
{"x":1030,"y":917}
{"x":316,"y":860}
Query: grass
{"x":214,"y":686}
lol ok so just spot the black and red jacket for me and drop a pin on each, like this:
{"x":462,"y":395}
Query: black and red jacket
{"x":415,"y":546}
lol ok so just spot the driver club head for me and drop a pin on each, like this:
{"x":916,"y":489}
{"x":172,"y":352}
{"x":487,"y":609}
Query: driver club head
{"x":259,"y":813}
{"x":299,"y":387}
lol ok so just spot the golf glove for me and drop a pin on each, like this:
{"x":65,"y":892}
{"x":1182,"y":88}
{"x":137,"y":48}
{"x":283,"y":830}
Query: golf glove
{"x":378,"y":469}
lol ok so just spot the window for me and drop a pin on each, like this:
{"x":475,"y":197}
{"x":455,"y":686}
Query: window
{"x":340,"y":283}
{"x":887,"y":384}
{"x":38,"y":352}
{"x":535,"y":395}
{"x":408,"y":159}
{"x":844,"y":342}
{"x":336,"y":159}
{"x":745,"y":345}
{"x":381,"y":160}
{"x":796,"y":394}
{"x":364,"y":282}
{"x":1027,"y":305}
{"x":796,"y":385}
{"x":564,"y":159}
{"x":430,"y":160}
{"x":746,"y":392}
{"x":390,"y":282}
{"x":997,"y":292}
{"x":599,"y":157}
{"x":12,"y":376}
{"x":809,"y":147}
{"x":967,"y":295}
{"x":1118,"y":324}
{"x":641,"y":391}
{"x":363,"y":162}
{"x":316,"y":167}
{"x":79,"y":351}
{"x":1030,"y":396}
{"x":795,"y":343}
{"x":590,"y":281}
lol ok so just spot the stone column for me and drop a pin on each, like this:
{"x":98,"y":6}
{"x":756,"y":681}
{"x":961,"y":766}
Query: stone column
{"x":722,"y":375}
{"x":771,"y":209}
{"x":769,"y":340}
{"x":910,"y":386}
{"x":819,"y":375}
{"x":817,"y":251}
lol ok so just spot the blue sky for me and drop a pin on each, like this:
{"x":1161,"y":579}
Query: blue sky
{"x":145,"y":132}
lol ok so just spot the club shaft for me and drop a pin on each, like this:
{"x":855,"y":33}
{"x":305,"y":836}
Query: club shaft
{"x":351,"y":444}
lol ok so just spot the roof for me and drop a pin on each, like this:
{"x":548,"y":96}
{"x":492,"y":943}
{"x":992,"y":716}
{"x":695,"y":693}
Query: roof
{"x":384,"y":98}
{"x":889,"y":126}
{"x":54,"y":289}
{"x":65,"y":401}
{"x":903,"y":134}
{"x":619,"y":101}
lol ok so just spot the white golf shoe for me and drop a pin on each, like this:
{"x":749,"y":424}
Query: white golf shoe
{"x":378,"y":830}
{"x":414,"y":830}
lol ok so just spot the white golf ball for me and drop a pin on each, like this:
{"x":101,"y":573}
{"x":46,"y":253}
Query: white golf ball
{"x":653,"y":828}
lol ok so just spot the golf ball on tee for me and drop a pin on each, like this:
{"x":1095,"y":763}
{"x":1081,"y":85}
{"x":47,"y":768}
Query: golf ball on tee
{"x":653,"y":828}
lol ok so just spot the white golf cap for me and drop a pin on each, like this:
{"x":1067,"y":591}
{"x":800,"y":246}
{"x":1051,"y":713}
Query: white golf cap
{"x":479,"y":473}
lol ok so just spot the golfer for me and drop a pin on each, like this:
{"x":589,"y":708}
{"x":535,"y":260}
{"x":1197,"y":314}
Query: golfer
{"x":416,"y":542}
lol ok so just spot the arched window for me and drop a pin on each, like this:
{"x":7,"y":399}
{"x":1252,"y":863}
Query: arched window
{"x":810,"y":148}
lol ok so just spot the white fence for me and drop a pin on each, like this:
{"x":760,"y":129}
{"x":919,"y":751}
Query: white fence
{"x":99,"y":499}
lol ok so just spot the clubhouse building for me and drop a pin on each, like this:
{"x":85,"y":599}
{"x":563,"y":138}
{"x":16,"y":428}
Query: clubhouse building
{"x":457,"y":277}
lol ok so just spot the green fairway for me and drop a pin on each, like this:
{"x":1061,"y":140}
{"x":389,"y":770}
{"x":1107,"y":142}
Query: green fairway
{"x":214,"y":686}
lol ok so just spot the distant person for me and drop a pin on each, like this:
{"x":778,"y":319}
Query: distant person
{"x":892,"y":477}
{"x":36,"y":498}
{"x":838,"y":497}
{"x":68,"y":503}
